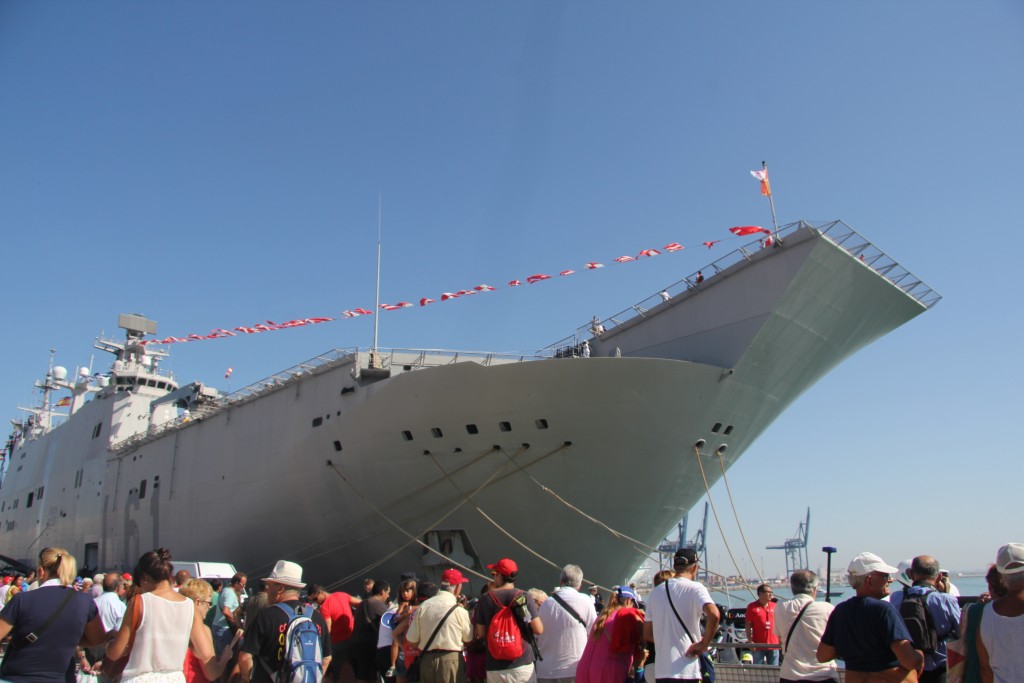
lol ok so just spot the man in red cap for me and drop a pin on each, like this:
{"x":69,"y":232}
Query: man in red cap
{"x":503,"y":592}
{"x":440,"y":628}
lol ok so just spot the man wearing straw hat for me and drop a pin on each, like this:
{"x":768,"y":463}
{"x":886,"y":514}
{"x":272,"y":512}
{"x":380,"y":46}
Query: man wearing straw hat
{"x":264,"y":639}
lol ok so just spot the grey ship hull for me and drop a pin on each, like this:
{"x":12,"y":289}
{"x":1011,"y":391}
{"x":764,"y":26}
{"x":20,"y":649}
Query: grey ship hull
{"x":353,"y":472}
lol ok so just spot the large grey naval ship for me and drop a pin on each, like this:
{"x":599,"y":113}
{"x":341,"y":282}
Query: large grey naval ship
{"x":377,"y":462}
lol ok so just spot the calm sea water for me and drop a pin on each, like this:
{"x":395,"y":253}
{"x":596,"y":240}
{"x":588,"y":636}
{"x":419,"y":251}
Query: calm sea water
{"x":970,"y":585}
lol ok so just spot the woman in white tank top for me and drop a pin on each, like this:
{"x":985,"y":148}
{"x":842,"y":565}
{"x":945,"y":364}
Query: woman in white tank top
{"x":167,"y":624}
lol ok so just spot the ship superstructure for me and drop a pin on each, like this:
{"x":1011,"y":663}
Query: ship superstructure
{"x":415,"y":459}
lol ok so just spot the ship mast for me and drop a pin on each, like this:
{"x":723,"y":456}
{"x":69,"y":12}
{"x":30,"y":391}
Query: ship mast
{"x":374,"y":362}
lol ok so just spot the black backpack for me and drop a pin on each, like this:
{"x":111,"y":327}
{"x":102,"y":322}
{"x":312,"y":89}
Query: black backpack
{"x":914,"y":611}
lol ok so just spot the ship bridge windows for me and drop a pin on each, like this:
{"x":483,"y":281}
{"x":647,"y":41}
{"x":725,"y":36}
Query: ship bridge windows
{"x":31,"y":497}
{"x":142,"y":489}
{"x":97,"y":429}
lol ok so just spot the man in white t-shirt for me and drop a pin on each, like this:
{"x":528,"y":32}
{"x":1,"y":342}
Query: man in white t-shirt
{"x":685,"y":597}
{"x":565,"y":632}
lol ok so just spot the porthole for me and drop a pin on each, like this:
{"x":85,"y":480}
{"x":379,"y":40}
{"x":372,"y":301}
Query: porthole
{"x":717,"y":427}
{"x":728,"y":430}
{"x":436,"y":431}
{"x":407,"y":435}
{"x":337,"y":446}
{"x":541,"y":423}
{"x":472,"y":429}
{"x":317,"y":421}
{"x":505,"y":426}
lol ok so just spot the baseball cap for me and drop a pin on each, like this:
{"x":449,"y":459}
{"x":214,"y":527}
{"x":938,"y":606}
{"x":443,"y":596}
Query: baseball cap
{"x":126,"y":576}
{"x":1010,"y":558}
{"x":903,"y":574}
{"x":684,"y":557}
{"x":8,"y":579}
{"x":626,"y":592}
{"x":453,"y":577}
{"x":505,"y":567}
{"x":865,"y":563}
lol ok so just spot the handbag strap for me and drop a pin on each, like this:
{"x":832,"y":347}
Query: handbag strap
{"x":33,"y":636}
{"x":668,"y":594}
{"x":568,"y":609}
{"x":438,"y":627}
{"x":795,"y":622}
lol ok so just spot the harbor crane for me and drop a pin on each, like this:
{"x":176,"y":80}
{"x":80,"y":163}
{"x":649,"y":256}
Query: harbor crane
{"x":697,"y":543}
{"x":796,"y":548}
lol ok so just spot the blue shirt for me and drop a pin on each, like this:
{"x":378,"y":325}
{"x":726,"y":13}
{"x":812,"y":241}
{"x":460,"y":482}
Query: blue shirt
{"x":944,"y":610}
{"x":862,"y":630}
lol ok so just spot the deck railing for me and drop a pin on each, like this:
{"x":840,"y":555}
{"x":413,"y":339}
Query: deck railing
{"x":837,"y":232}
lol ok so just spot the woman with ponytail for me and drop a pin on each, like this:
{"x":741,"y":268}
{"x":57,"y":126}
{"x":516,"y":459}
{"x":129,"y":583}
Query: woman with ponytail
{"x":158,"y":627}
{"x":614,"y":651}
{"x":46,"y":625}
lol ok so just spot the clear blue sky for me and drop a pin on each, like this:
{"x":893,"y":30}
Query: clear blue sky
{"x":213,"y":164}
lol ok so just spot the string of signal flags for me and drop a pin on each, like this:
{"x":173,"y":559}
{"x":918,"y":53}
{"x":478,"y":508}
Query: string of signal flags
{"x":269,"y":326}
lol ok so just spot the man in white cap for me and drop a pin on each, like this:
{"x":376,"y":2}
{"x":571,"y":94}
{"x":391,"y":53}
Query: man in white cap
{"x":867,"y":632}
{"x":445,"y":624}
{"x":263,"y":639}
{"x":1001,"y":631}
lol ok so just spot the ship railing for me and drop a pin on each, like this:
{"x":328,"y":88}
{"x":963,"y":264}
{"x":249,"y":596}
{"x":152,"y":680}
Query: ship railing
{"x":837,"y":232}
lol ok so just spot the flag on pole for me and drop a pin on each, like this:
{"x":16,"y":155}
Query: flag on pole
{"x":66,"y":401}
{"x":227,"y":375}
{"x":744,"y":230}
{"x":762,"y":175}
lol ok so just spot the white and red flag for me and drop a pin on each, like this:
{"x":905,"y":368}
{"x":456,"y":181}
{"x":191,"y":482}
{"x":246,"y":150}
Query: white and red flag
{"x":743,"y":230}
{"x":762,"y":175}
{"x":227,"y":374}
{"x":567,"y":272}
{"x":537,"y":278}
{"x":593,"y":265}
{"x":649,"y":252}
{"x":624,"y":259}
{"x":426,"y":300}
{"x":484,"y":288}
{"x":675,"y":246}
{"x":711,"y":243}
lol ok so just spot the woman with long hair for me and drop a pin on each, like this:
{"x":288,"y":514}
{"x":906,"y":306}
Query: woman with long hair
{"x":201,"y":594}
{"x":165,"y":623}
{"x":47,"y":624}
{"x":406,"y":604}
{"x":614,"y":649}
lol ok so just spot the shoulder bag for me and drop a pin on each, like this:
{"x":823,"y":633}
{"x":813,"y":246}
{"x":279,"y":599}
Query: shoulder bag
{"x":412,"y":673}
{"x":707,"y":666}
{"x":113,"y":668}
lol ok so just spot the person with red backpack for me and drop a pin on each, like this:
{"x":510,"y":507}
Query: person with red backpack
{"x":508,"y":619}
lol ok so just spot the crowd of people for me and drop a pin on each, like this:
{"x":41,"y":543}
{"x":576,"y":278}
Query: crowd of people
{"x":156,"y":625}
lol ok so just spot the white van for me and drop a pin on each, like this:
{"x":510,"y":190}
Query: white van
{"x":206,"y":570}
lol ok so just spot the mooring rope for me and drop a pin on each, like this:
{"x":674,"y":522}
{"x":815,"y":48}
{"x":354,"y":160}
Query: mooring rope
{"x":718,"y":523}
{"x":736,"y":514}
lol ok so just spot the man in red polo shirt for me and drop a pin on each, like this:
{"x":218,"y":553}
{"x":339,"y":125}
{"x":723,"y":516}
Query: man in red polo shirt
{"x":760,"y":618}
{"x":336,"y":609}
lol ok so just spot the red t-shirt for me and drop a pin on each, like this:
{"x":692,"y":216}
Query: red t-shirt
{"x":761,"y":621}
{"x":338,"y":608}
